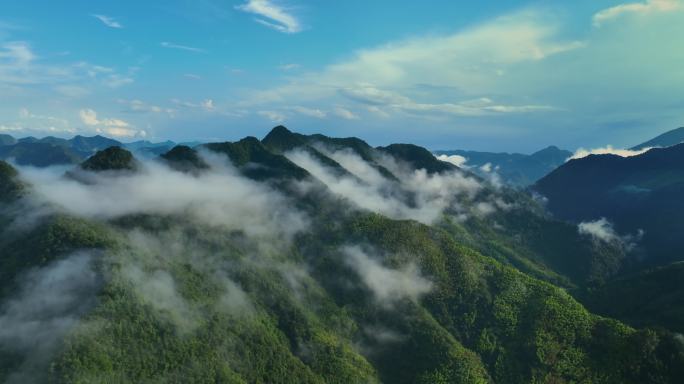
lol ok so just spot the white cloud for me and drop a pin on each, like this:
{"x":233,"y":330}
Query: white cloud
{"x":456,"y":160}
{"x":113,"y":127}
{"x":192,"y":76}
{"x":603,"y":230}
{"x":220,"y":197}
{"x":106,"y":76}
{"x":289,"y":67}
{"x":206,"y":105}
{"x":272,"y":15}
{"x":274,"y":116}
{"x":608,"y":150}
{"x":388,"y":285}
{"x":18,"y":65}
{"x":73,"y":91}
{"x":310,"y":112}
{"x":345,"y":113}
{"x":169,"y":45}
{"x":368,"y":189}
{"x":600,"y":229}
{"x":649,"y":6}
{"x":32,"y":123}
{"x":108,"y":21}
{"x":484,"y":106}
{"x":141,"y":106}
{"x":49,"y":303}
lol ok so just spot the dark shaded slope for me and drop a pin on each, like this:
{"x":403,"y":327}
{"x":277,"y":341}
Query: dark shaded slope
{"x":636,"y":193}
{"x":653,"y":298}
{"x":667,"y":139}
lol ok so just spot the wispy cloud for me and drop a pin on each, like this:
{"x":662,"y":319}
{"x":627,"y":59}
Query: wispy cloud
{"x":169,"y":45}
{"x":345,"y":113}
{"x":192,"y":76}
{"x":143,"y":107}
{"x":310,"y":112}
{"x":272,"y":15}
{"x":274,"y":116}
{"x":289,"y":67}
{"x":370,"y":95}
{"x":636,"y":8}
{"x":108,"y":21}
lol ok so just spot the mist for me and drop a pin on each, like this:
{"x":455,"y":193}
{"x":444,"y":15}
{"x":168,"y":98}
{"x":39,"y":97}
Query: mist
{"x":417,"y":195}
{"x":49,"y":304}
{"x":388,"y":285}
{"x":219,"y":197}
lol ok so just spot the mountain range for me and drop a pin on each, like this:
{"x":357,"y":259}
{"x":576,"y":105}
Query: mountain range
{"x":54,"y":151}
{"x":311,"y":259}
{"x":513,"y":168}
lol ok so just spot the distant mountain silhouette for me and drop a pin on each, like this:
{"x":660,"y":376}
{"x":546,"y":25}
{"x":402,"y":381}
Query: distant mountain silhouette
{"x":39,"y":154}
{"x":514,"y":168}
{"x":667,"y":139}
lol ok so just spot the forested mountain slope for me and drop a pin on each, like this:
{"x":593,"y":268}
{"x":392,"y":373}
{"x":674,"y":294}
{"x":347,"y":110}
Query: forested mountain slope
{"x":300,"y":259}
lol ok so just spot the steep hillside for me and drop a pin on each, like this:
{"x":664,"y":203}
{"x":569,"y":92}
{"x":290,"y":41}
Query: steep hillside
{"x":653,"y":298}
{"x":214,"y":275}
{"x":639,"y":194}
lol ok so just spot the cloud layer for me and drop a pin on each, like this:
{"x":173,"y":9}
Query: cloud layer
{"x":221,"y":197}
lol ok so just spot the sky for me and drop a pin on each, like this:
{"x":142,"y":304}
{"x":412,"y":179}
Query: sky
{"x":490,"y":75}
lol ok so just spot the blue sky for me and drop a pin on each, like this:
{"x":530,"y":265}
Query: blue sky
{"x":487,"y":75}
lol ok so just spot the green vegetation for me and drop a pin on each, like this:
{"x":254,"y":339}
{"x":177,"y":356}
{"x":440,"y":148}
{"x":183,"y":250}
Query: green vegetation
{"x":357,"y":297}
{"x":184,"y":159}
{"x":110,"y":159}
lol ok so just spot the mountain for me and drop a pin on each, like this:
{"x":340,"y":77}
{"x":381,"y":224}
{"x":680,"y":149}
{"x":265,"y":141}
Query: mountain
{"x":667,"y":139}
{"x":39,"y":154}
{"x":149,"y":149}
{"x":7,"y":140}
{"x":136,"y":145}
{"x":185,"y":159}
{"x":653,"y":297}
{"x":110,"y":159}
{"x":90,"y":145}
{"x":640,"y":195}
{"x":272,"y":264}
{"x":513,"y":168}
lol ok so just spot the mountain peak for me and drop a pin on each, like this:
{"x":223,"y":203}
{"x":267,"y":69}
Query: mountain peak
{"x":280,"y":129}
{"x":110,"y":159}
{"x":281,"y":139}
{"x":184,"y":158}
